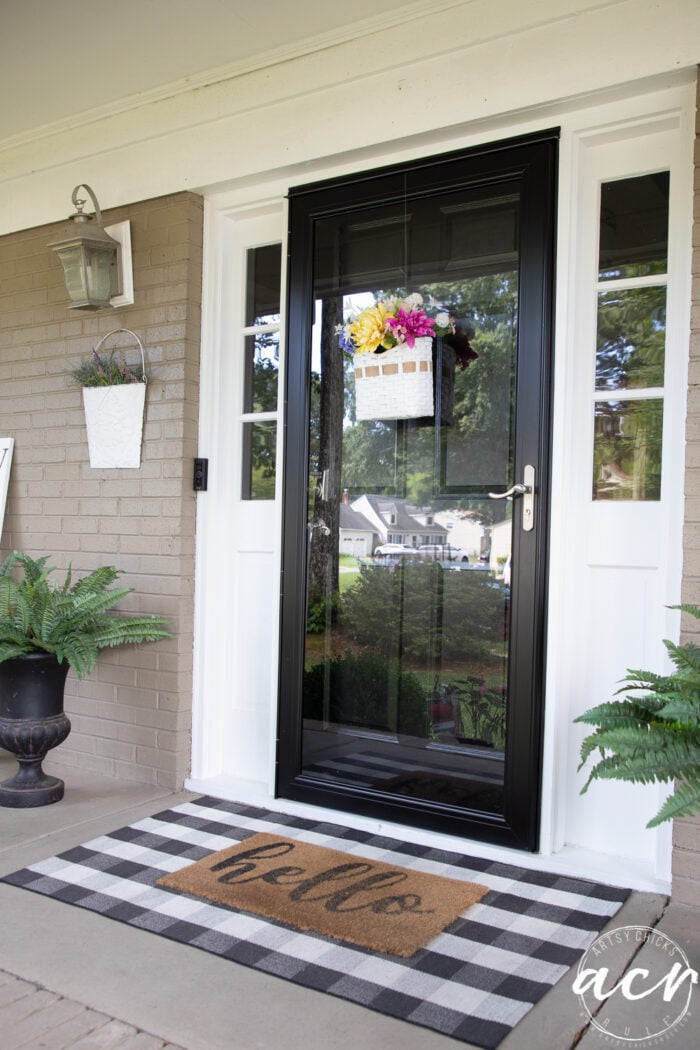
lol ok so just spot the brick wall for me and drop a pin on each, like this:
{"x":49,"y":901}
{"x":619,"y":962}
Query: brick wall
{"x":131,"y":717}
{"x":686,"y":833}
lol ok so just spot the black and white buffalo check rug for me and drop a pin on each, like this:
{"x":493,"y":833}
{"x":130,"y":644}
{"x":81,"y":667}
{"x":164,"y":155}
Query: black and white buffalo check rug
{"x":473,"y":982}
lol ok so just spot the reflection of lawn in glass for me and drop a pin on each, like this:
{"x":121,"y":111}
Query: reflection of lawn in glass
{"x":350,"y":572}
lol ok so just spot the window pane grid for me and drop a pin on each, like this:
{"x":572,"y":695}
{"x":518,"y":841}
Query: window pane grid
{"x":261,"y":329}
{"x":630,"y":343}
{"x":260,"y":358}
{"x":643,"y":394}
{"x":652,"y":281}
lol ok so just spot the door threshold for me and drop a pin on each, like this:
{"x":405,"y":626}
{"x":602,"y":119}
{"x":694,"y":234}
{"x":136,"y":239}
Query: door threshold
{"x":575,"y":861}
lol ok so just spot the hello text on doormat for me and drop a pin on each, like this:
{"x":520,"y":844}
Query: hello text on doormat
{"x":365,"y":902}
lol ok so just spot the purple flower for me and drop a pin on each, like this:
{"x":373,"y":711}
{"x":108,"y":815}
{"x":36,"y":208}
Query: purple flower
{"x":345,"y":342}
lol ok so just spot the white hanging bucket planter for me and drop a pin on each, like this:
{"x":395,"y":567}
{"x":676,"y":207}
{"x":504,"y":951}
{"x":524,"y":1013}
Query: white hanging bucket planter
{"x":114,"y":417}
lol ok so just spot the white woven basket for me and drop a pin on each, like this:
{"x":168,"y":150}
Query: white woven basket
{"x":397,"y":384}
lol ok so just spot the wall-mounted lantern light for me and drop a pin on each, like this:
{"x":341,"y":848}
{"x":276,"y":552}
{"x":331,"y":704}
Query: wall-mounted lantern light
{"x":91,"y":259}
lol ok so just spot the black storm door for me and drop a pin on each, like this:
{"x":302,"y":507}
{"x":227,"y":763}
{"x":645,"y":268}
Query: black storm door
{"x":414,"y":561}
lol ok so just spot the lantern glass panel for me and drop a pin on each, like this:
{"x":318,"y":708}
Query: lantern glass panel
{"x":74,"y":271}
{"x":99,"y":270}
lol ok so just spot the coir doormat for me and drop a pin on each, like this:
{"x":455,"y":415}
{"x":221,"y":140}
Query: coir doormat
{"x":473,"y":981}
{"x":382,"y":906}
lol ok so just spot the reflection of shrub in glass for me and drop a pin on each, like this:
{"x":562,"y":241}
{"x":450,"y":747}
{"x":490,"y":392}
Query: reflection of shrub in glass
{"x":259,"y":460}
{"x":627,"y":451}
{"x":368,"y":691}
{"x":423,"y":612}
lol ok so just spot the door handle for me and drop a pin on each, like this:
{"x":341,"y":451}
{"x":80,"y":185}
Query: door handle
{"x":526,"y":489}
{"x":320,"y":524}
{"x":515,"y":490}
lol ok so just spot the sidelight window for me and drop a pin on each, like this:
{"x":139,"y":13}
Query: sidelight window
{"x":631,"y":338}
{"x":261,"y":371}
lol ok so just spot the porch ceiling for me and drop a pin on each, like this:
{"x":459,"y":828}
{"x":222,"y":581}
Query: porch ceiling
{"x":62,"y":58}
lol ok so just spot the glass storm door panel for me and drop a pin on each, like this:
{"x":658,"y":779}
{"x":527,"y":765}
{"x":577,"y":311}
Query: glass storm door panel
{"x":413,"y":582}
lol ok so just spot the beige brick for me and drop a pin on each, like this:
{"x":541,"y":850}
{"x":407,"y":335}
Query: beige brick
{"x":121,"y":750}
{"x":12,"y":989}
{"x":686,"y":891}
{"x":37,"y":1029}
{"x":19,"y":1009}
{"x":65,"y":1035}
{"x":67,"y":756}
{"x":141,"y":521}
{"x":686,"y":835}
{"x":142,"y":774}
{"x":137,"y":734}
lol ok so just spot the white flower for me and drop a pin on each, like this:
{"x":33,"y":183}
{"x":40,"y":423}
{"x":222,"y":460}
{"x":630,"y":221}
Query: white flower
{"x":442,"y":320}
{"x":413,"y":300}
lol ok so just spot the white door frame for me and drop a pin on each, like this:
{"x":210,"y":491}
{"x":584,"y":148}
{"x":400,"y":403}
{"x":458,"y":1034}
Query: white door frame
{"x":235,"y":695}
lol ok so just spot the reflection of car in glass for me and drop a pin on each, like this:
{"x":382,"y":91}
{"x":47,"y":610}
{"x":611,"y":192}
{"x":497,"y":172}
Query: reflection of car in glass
{"x":391,"y":548}
{"x":443,"y":552}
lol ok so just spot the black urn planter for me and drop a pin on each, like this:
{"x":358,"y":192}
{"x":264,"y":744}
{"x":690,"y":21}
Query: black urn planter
{"x":32,"y":721}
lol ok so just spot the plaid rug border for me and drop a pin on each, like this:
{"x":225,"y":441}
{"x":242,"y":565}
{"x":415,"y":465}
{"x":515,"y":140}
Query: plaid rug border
{"x":474,"y":981}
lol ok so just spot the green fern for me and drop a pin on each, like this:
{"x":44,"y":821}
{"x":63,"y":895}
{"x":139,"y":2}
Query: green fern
{"x":72,"y":621}
{"x":684,"y":801}
{"x":653,"y":738}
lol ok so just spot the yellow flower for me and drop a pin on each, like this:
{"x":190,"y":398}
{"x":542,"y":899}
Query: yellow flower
{"x":368,"y":331}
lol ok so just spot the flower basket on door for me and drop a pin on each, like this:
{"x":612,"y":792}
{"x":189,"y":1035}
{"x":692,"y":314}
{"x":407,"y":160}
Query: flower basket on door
{"x":114,"y":399}
{"x":394,"y":359}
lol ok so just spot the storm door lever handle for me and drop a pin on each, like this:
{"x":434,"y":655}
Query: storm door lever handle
{"x":516,"y":490}
{"x":319,"y":524}
{"x":526,"y":489}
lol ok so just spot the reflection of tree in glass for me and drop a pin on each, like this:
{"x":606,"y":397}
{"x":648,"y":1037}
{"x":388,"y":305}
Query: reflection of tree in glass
{"x":381,"y":457}
{"x":325,"y":495}
{"x":263,"y":440}
{"x":262,"y":372}
{"x":627,"y":456}
{"x":265,"y":374}
{"x":631,"y":338}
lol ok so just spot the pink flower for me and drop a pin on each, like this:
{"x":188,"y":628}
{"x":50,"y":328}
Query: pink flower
{"x":408,"y":325}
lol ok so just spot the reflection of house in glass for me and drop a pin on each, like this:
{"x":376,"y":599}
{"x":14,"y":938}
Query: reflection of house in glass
{"x":369,"y":521}
{"x":357,"y":535}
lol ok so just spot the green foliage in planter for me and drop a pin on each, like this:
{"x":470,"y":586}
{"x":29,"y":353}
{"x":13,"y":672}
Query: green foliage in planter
{"x":429,"y":613}
{"x":653,"y":737}
{"x":107,"y":371}
{"x":71,"y":621}
{"x":482,"y":711}
{"x":369,"y":691}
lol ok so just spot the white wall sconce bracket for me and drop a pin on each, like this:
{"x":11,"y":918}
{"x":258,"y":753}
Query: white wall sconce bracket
{"x":121,"y":232}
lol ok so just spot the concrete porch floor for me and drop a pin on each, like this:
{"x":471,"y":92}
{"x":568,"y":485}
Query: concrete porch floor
{"x":71,"y":979}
